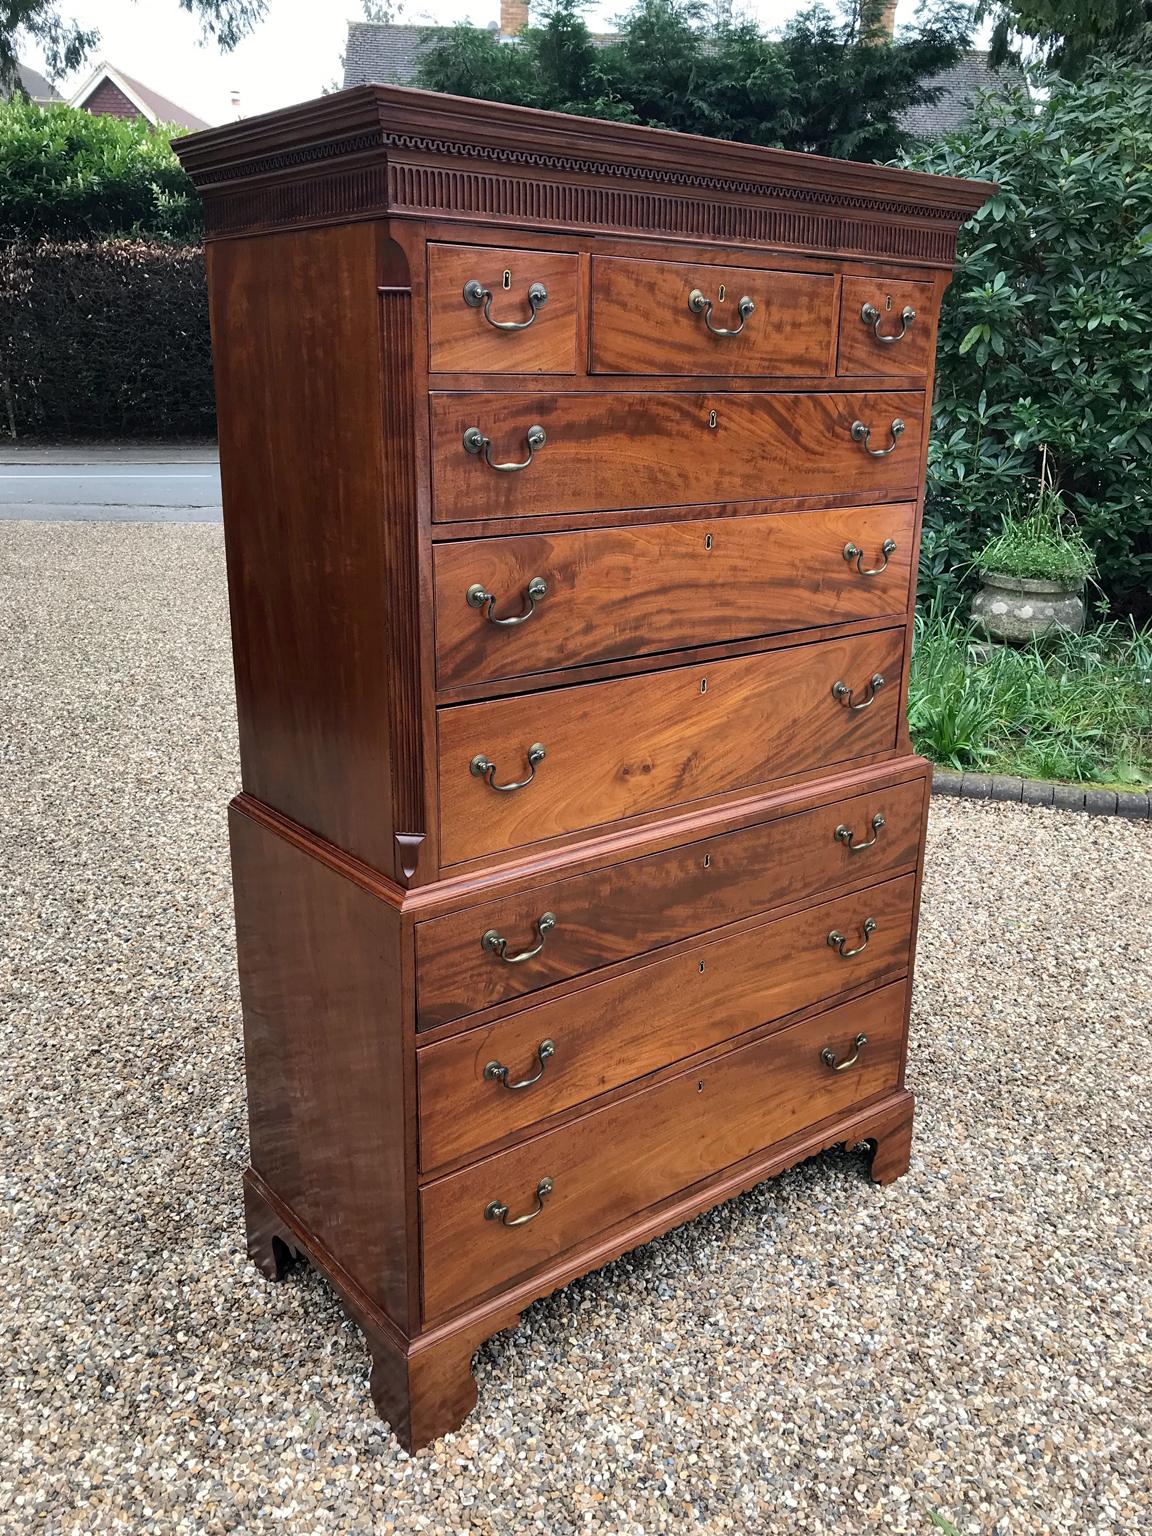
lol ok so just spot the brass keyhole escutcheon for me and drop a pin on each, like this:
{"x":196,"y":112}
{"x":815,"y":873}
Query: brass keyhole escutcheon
{"x":506,"y":282}
{"x":707,"y":861}
{"x":700,"y":1086}
{"x":888,"y":301}
{"x":703,"y":685}
{"x":707,"y":541}
{"x":720,"y":294}
{"x":712,"y":418}
{"x":701,"y":967}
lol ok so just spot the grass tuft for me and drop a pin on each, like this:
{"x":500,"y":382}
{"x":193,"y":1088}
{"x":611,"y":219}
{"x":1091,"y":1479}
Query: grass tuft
{"x":1073,"y":707}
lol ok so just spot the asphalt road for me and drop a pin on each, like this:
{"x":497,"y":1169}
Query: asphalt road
{"x":64,"y":491}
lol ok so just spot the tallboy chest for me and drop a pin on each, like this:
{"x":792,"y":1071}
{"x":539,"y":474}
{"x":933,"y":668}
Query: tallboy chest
{"x":572,"y":481}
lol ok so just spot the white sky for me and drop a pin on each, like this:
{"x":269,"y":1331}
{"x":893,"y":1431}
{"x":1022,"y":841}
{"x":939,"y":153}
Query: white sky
{"x":291,"y":56}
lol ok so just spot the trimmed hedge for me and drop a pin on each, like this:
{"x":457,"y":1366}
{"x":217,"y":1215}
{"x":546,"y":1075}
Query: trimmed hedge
{"x":105,"y":340}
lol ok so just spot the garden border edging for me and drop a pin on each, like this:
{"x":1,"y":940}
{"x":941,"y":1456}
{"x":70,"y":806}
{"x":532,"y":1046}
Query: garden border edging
{"x":1136,"y":805}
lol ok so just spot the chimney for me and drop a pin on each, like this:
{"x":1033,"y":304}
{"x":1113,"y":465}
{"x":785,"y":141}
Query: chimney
{"x":513,"y":17}
{"x":888,"y":17}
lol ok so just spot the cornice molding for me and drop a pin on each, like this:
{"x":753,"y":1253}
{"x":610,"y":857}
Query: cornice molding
{"x":375,"y":151}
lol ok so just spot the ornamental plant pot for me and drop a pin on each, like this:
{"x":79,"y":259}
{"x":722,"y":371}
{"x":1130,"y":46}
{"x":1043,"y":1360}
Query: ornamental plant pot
{"x":1019,"y":608}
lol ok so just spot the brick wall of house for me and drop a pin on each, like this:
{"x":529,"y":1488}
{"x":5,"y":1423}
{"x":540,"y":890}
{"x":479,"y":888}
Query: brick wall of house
{"x":108,"y":100}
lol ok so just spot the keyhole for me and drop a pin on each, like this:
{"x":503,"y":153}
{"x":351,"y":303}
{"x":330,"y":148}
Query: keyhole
{"x":701,"y":967}
{"x":720,"y":294}
{"x":707,"y":861}
{"x":508,"y":281}
{"x":711,"y":418}
{"x":707,"y":541}
{"x":700,"y":1087}
{"x":888,"y":301}
{"x":703,"y":685}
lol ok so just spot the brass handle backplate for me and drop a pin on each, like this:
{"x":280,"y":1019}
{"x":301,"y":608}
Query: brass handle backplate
{"x":862,"y":434}
{"x":497,"y":1072}
{"x":828,"y":1055}
{"x":699,"y":305}
{"x":484,"y":768}
{"x":870,"y":315}
{"x":495,"y":945}
{"x":535,"y":592}
{"x":476,"y":294}
{"x":476,"y":442}
{"x":845,"y":834}
{"x":854,"y":552}
{"x":496,"y":1210}
{"x":838,"y":940}
{"x":843,"y":694}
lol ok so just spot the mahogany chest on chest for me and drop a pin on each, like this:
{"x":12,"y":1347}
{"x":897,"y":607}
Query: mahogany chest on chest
{"x":572,"y":483}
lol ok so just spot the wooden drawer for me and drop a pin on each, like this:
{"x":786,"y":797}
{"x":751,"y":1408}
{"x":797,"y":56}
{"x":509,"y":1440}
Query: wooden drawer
{"x":617,"y":1030}
{"x":614,"y":592}
{"x":644,"y":1148}
{"x":862,"y":351}
{"x":642,"y":904}
{"x":462,"y":340}
{"x":662,"y":317}
{"x":635,"y":744}
{"x":608,"y":451}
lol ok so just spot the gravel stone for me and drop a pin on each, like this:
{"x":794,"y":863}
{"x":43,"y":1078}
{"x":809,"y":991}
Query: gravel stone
{"x":821,"y":1356}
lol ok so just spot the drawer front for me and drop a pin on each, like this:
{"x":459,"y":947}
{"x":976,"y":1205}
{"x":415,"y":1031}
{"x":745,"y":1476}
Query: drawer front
{"x":883,"y":341}
{"x":665,"y":316}
{"x":614,"y":450}
{"x":608,"y":1034}
{"x":466,"y":335}
{"x":614,"y":1163}
{"x":614,"y":592}
{"x":620,"y":748}
{"x":630,"y":908}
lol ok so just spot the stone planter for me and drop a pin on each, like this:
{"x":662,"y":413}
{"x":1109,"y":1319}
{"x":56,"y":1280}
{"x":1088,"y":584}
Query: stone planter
{"x":1018,"y":609}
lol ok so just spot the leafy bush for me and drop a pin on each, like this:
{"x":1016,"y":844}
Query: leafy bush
{"x":832,"y":82}
{"x":1078,"y":707}
{"x":67,"y":175}
{"x":1046,"y":335}
{"x":106,"y":339}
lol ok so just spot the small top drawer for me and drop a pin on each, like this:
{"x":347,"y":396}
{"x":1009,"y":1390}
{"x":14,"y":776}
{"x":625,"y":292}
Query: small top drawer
{"x":668,"y":317}
{"x":885,"y":327}
{"x":492,"y":310}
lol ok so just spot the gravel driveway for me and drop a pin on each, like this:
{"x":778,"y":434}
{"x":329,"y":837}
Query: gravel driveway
{"x":819,"y":1356}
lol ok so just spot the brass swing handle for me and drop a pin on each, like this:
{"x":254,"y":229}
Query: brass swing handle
{"x":484,"y":768}
{"x":862,"y":434}
{"x":495,"y":945}
{"x":843,"y":694}
{"x":837,"y":940}
{"x":476,"y":294}
{"x":699,"y":305}
{"x":476,"y":442}
{"x":870,"y":315}
{"x":845,"y":835}
{"x":828,"y":1055}
{"x":851,"y":552}
{"x":497,"y":1072}
{"x":535,"y":592}
{"x":496,"y":1210}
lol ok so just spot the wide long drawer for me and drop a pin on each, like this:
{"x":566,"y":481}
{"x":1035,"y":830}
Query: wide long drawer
{"x":609,"y":1165}
{"x":597,"y":753}
{"x":614,"y":592}
{"x":608,"y":1034}
{"x":529,"y":454}
{"x":473,"y":959}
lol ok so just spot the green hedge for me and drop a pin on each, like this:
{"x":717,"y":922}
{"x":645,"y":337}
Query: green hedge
{"x":107,"y":339}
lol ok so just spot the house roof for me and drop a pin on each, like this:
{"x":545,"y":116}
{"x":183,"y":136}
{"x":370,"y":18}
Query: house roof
{"x":387,"y":53}
{"x":38,"y":86}
{"x":958,"y":85}
{"x":150,"y":103}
